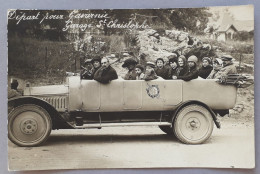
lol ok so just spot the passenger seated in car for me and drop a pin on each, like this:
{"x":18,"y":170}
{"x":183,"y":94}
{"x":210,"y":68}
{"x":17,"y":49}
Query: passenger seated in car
{"x":215,"y":73}
{"x":193,"y":71}
{"x":87,"y":70}
{"x":96,"y":62}
{"x":228,"y":65}
{"x":160,"y":69}
{"x":150,"y":73}
{"x":105,"y":73}
{"x":173,"y":71}
{"x":139,"y":69}
{"x":182,"y":66}
{"x":167,"y":63}
{"x":130,"y":65}
{"x":206,"y":68}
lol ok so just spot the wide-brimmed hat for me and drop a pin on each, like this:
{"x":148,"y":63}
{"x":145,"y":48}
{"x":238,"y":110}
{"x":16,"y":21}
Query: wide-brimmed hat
{"x":128,"y":62}
{"x":151,"y":64}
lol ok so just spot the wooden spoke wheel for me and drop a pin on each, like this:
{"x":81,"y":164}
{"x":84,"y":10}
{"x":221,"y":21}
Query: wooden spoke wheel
{"x":193,"y":124}
{"x":29,"y":125}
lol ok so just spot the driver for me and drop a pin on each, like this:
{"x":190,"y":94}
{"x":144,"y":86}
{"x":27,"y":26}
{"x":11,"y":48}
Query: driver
{"x":105,"y":73}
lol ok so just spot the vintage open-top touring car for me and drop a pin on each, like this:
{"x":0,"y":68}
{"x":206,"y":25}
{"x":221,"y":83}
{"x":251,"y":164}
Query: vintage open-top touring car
{"x":185,"y":109}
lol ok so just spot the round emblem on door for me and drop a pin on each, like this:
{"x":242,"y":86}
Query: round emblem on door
{"x":153,"y":91}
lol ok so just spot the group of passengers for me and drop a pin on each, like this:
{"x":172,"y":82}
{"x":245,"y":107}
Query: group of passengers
{"x":174,"y":68}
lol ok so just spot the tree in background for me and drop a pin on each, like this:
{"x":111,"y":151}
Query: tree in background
{"x":190,"y":19}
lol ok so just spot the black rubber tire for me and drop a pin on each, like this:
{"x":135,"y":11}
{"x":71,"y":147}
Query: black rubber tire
{"x":167,"y":129}
{"x":29,"y":125}
{"x":193,"y":124}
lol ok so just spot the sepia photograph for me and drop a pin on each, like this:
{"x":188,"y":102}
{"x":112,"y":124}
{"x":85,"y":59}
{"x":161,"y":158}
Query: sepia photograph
{"x":131,"y":88}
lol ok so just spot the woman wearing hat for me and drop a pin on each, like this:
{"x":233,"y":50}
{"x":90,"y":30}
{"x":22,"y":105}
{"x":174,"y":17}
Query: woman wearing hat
{"x":206,"y":68}
{"x":193,"y":71}
{"x":215,"y":73}
{"x":96,"y":62}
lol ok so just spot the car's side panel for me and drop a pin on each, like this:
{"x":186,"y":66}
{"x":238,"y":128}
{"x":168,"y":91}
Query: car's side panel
{"x":111,"y":96}
{"x":90,"y":93}
{"x":75,"y":97}
{"x":172,"y":93}
{"x":134,"y":95}
{"x":132,"y":100}
{"x":215,"y":95}
{"x":153,"y":98}
{"x":139,"y":95}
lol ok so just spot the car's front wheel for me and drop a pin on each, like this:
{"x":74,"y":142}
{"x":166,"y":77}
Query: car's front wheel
{"x":29,"y":125}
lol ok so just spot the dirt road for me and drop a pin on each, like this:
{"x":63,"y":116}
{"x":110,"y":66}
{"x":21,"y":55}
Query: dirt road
{"x":232,"y":146}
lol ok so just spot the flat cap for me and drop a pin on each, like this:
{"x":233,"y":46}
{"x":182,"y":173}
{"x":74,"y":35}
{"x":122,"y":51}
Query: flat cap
{"x":151,"y":64}
{"x":226,"y":57}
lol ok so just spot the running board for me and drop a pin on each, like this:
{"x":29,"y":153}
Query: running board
{"x":122,"y":124}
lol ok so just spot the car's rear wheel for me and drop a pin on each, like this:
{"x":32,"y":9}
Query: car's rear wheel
{"x":193,"y":124}
{"x":29,"y":125}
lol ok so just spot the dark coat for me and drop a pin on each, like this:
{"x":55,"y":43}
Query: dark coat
{"x":181,"y":71}
{"x":205,"y":71}
{"x":105,"y":75}
{"x":172,"y":72}
{"x":130,"y":75}
{"x":151,"y":76}
{"x":193,"y":73}
{"x":87,"y":74}
{"x":163,"y":72}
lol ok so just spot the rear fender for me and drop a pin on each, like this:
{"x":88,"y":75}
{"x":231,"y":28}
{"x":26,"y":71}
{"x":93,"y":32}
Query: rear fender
{"x":57,"y":120}
{"x":217,"y":123}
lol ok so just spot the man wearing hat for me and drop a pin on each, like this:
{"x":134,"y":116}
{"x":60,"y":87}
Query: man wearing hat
{"x":130,"y":65}
{"x":228,"y":66}
{"x":149,"y":72}
{"x":105,"y":73}
{"x":87,"y":71}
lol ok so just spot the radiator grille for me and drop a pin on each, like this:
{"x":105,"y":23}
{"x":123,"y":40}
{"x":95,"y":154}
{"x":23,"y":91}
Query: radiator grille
{"x":59,"y":102}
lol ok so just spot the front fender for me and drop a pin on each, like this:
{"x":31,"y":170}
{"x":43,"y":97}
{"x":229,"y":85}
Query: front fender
{"x":57,"y":119}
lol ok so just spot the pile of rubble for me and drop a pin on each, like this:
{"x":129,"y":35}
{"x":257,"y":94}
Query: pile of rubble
{"x":153,"y":45}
